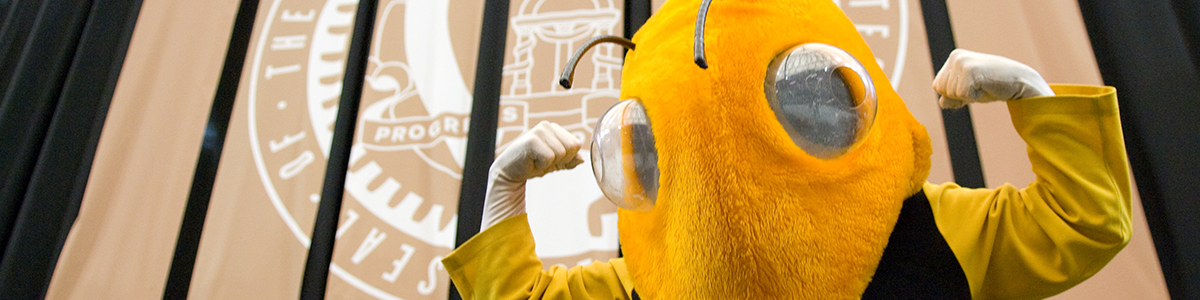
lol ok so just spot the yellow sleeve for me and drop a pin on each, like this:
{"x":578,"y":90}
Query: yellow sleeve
{"x":499,"y":263}
{"x":1038,"y":241}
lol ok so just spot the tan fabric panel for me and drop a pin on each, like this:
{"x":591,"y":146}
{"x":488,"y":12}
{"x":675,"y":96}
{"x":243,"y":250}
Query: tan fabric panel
{"x":120,"y":246}
{"x":1050,"y":37}
{"x":247,"y":251}
{"x":399,"y":212}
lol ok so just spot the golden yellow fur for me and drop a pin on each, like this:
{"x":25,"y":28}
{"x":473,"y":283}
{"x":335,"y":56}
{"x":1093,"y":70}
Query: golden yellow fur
{"x":742,"y":213}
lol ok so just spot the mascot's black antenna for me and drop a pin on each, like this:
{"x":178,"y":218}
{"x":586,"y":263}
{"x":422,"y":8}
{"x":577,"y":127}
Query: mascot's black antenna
{"x":699,"y":46}
{"x":568,"y":73}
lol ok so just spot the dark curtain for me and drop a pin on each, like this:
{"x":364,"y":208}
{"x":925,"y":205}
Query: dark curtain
{"x":1148,"y":50}
{"x":59,"y":66}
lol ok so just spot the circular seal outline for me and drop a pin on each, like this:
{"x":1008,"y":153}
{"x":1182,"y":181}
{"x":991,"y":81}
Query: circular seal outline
{"x":902,"y":51}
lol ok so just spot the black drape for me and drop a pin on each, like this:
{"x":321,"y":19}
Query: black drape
{"x":18,"y":20}
{"x":1147,"y":49}
{"x":1189,"y":23}
{"x":60,"y":65}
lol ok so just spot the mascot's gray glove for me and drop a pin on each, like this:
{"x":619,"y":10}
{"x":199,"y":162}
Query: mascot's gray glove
{"x":969,"y":77}
{"x":545,"y":148}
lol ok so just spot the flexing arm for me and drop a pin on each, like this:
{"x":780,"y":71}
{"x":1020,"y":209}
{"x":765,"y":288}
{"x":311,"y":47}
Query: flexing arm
{"x":545,"y":148}
{"x":499,"y":262}
{"x":1065,"y":226}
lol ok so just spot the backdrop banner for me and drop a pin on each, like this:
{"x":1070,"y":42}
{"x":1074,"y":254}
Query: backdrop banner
{"x":399,"y":213}
{"x":264,"y":196}
{"x":395,"y":224}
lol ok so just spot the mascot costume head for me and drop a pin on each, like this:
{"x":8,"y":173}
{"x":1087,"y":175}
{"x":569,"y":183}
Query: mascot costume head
{"x":764,"y":153}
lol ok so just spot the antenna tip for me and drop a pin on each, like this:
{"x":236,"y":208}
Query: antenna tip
{"x":565,"y":83}
{"x":702,"y":63}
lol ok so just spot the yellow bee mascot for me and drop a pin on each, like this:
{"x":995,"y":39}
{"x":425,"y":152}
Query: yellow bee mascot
{"x":760,"y":153}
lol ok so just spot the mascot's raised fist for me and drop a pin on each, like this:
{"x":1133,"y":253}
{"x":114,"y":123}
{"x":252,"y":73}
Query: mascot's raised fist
{"x":969,"y":77}
{"x":545,"y":148}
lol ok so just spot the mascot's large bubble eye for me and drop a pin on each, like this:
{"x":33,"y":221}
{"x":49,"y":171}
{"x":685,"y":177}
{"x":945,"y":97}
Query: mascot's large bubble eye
{"x":823,"y":97}
{"x":624,"y":158}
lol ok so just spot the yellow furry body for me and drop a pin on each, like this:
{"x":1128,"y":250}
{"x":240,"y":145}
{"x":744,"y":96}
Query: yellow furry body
{"x":742,"y":212}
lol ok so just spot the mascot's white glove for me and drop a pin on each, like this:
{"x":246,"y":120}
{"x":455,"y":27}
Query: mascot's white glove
{"x":545,"y":148}
{"x":976,"y":77}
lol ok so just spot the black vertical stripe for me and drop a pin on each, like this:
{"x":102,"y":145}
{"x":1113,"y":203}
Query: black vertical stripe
{"x":1147,"y":49}
{"x":636,"y":14}
{"x":960,"y":132}
{"x":484,"y":117}
{"x":320,"y":251}
{"x":481,"y":140}
{"x":485,"y":108}
{"x":55,"y":187}
{"x":187,"y":244}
